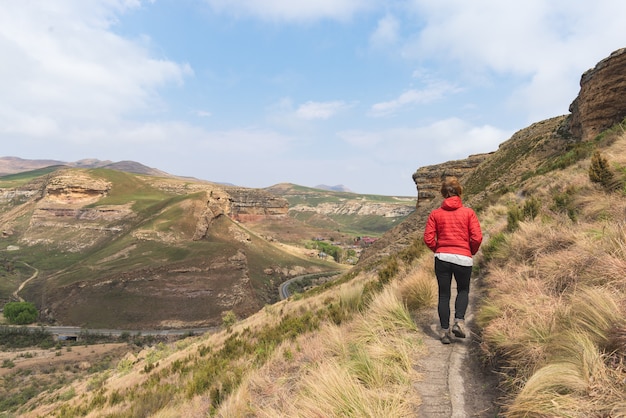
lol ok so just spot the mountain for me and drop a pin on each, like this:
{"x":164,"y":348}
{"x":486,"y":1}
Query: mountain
{"x":548,"y":303}
{"x":113,"y":249}
{"x":337,"y":188}
{"x":13,"y":165}
{"x":345,"y":213}
{"x":108,"y":244}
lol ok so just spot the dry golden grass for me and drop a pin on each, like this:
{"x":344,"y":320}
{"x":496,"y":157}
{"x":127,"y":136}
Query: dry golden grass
{"x":418,"y":289}
{"x":363,"y":368}
{"x":554,"y":314}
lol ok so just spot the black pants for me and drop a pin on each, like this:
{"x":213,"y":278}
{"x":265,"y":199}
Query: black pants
{"x":444,"y":271}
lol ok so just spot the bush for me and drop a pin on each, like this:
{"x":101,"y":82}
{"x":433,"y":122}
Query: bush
{"x":229,"y":318}
{"x":599,"y":171}
{"x":564,"y":202}
{"x":20,"y":313}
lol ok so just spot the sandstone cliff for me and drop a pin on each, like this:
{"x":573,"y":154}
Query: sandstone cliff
{"x":600,"y":103}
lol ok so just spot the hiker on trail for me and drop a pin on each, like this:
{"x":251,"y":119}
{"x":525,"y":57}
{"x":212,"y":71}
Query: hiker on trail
{"x":453,"y":233}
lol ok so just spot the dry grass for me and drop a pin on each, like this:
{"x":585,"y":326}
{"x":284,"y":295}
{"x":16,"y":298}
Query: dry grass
{"x":554,"y":315}
{"x":360,"y":368}
{"x":418,"y":289}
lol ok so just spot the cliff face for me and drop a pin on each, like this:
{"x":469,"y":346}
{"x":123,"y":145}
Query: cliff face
{"x":601,"y":100}
{"x":428,"y":179}
{"x":64,"y":207}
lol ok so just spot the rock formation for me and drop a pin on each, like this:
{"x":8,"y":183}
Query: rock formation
{"x":602,"y":97}
{"x":428,"y":179}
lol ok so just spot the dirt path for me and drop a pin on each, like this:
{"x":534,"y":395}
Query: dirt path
{"x":34,"y":276}
{"x":454,"y":383}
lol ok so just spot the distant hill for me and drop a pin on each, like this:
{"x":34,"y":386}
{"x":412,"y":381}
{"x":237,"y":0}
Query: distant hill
{"x":337,"y":188}
{"x":13,"y":165}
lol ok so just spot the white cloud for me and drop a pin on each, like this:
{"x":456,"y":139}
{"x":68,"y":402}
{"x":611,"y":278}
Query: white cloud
{"x":320,"y":110}
{"x":545,"y":46}
{"x":444,"y":140}
{"x":203,"y":113}
{"x":290,"y":10}
{"x":68,"y":67}
{"x":434,"y":90}
{"x":386,"y":32}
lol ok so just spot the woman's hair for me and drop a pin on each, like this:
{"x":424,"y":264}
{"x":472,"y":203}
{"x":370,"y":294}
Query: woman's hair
{"x":450,"y":186}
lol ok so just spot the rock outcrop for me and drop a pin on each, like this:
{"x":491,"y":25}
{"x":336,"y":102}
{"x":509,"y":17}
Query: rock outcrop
{"x":254,"y":204}
{"x":428,"y":179}
{"x":357,"y":208}
{"x":601,"y":101}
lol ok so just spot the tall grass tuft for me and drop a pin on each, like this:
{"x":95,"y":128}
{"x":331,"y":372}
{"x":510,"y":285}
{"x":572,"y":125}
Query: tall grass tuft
{"x":595,"y":312}
{"x":331,"y":391}
{"x":388,"y":312}
{"x":418,"y":290}
{"x":351,"y":297}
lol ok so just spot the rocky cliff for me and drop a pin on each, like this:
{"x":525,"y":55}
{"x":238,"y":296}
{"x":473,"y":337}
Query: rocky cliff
{"x":66,"y":200}
{"x":428,"y":179}
{"x":600,"y":102}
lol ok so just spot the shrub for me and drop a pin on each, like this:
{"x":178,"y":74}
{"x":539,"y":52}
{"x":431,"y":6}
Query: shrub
{"x":600,"y":172}
{"x":531,"y":208}
{"x":229,"y":318}
{"x":513,"y":218}
{"x":20,"y":313}
{"x":564,"y":202}
{"x":389,"y":271}
{"x":495,"y":243}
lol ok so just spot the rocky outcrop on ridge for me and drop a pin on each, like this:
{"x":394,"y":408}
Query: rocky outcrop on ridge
{"x":602,"y":97}
{"x":428,"y":179}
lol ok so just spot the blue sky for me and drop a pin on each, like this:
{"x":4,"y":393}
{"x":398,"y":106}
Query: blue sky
{"x":257,"y":92}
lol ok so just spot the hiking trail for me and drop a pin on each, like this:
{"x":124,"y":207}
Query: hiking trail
{"x":454,"y":382}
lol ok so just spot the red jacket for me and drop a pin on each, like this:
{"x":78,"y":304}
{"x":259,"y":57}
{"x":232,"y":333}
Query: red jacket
{"x":453,"y":229}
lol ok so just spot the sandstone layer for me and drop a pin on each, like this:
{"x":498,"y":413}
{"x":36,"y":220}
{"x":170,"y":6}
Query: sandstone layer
{"x":600,"y":102}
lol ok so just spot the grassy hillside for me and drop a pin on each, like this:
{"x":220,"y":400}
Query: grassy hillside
{"x":131,"y":258}
{"x":550,"y":319}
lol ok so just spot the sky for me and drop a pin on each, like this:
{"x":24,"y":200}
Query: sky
{"x":359,"y":93}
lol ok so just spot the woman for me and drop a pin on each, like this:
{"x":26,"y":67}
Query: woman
{"x":453,"y":233}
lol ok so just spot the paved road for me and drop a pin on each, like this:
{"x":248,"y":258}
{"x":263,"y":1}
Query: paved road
{"x":77,"y":331}
{"x":283,"y":290}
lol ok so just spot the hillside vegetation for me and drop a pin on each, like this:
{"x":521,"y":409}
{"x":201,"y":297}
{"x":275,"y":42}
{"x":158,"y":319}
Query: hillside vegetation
{"x":113,"y":247}
{"x":551,"y":319}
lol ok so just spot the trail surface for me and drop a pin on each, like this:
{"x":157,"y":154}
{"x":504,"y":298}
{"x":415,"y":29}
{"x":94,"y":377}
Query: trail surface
{"x":454,"y":382}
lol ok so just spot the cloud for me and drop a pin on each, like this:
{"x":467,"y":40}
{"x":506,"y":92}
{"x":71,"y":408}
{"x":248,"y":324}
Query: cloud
{"x":69,"y":71}
{"x":443,"y":140}
{"x":202,"y":113}
{"x":320,"y":110}
{"x":386,"y":32}
{"x":544,"y":46}
{"x":289,"y":10}
{"x":434,"y":90}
